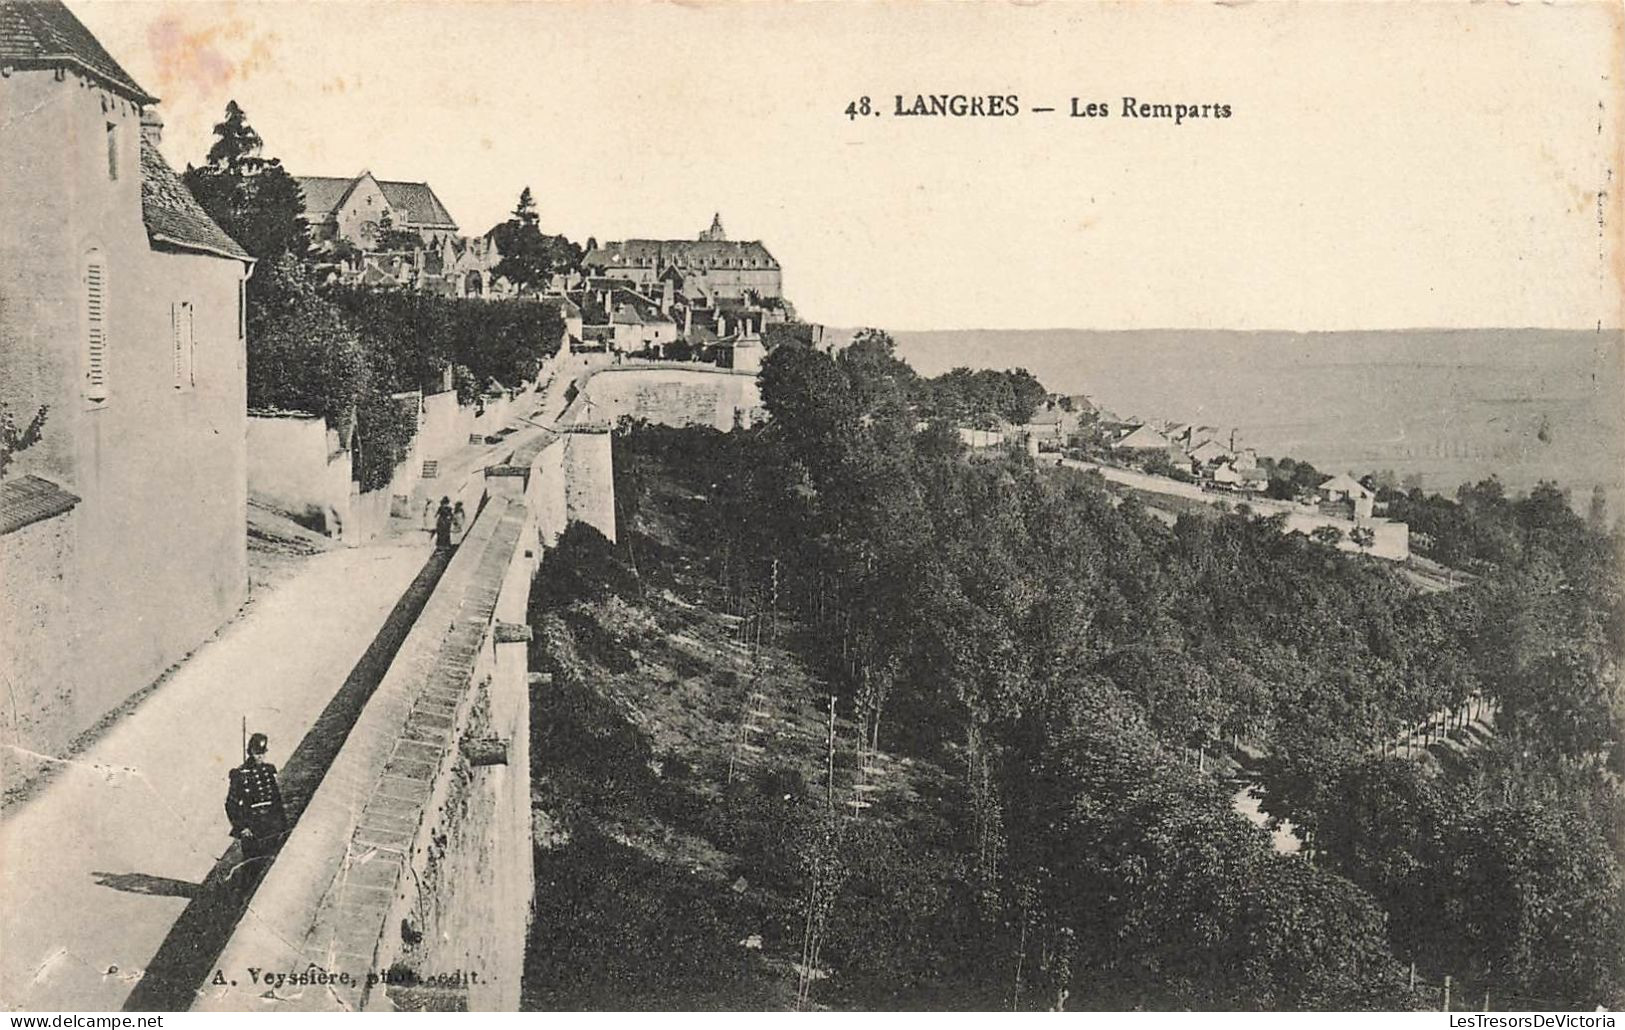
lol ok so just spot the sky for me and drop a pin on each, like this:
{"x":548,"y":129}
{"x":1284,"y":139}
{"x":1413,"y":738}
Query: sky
{"x":1384,"y":165}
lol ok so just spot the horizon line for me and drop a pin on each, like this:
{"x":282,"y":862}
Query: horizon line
{"x":1598,"y":330}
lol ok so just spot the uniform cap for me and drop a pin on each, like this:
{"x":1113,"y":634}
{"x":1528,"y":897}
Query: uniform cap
{"x":258,"y":744}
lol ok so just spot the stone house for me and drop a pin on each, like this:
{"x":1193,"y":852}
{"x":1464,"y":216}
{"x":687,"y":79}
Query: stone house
{"x":570,"y":314}
{"x":1053,"y":426}
{"x":1346,"y":490}
{"x":353,"y":209}
{"x":1209,"y":453}
{"x":122,"y":531}
{"x":711,"y":266}
{"x":1143,"y":438}
{"x":1251,"y":479}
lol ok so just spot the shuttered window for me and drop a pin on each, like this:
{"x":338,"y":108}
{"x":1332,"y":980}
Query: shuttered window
{"x":96,"y":358}
{"x":185,"y":344}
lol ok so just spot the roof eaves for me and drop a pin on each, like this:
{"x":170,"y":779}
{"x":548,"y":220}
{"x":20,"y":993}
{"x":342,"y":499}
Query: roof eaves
{"x":202,"y":248}
{"x":89,"y":71}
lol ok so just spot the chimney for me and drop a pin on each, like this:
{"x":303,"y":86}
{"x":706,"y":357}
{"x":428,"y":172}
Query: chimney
{"x":152,"y":125}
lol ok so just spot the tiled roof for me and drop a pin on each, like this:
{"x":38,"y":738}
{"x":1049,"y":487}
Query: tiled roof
{"x":1143,"y":438}
{"x":1345,"y":483}
{"x":567,"y":307}
{"x":45,"y":34}
{"x":419,"y":207}
{"x":322,"y":194}
{"x":681,"y":253}
{"x":609,"y":283}
{"x":29,"y":499}
{"x":415,"y":202}
{"x":173,"y":216}
{"x":1208,"y":450}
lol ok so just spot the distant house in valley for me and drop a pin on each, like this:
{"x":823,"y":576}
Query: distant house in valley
{"x":1142,"y":438}
{"x":1079,"y":404}
{"x":1193,"y":436}
{"x":1252,"y":480}
{"x":356,"y":208}
{"x":1346,"y":489}
{"x":1053,"y":426}
{"x":1211,"y":452}
{"x":122,"y":530}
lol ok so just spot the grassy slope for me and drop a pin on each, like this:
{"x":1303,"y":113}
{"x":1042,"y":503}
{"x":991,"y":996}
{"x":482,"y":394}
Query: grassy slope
{"x":680,"y":785}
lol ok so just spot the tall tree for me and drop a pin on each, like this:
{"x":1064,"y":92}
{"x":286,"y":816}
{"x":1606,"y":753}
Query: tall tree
{"x":251,"y":197}
{"x":525,"y":210}
{"x":530,"y":258}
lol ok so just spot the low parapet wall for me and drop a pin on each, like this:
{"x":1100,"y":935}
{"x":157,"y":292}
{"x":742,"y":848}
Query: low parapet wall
{"x":294,"y":464}
{"x":407,"y":881}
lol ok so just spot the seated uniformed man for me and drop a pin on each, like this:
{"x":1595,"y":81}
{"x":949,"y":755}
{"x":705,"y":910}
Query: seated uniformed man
{"x":254,"y":803}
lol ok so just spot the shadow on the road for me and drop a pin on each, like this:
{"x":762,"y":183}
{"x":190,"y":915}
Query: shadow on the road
{"x":145,"y":883}
{"x":186,"y":957}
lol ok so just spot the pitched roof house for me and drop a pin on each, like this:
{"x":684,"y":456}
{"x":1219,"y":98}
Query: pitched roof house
{"x":47,"y":35}
{"x":1143,"y":438}
{"x":173,"y":217}
{"x":353,"y":209}
{"x":1344,"y":487}
{"x":124,"y":317}
{"x":1209,"y":451}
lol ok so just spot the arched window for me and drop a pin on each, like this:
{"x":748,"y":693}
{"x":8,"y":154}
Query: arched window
{"x":95,"y":327}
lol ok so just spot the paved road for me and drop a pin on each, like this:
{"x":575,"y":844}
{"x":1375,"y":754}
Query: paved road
{"x":96,"y":868}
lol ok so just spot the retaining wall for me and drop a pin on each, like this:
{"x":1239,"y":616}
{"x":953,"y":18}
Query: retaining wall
{"x":407,"y":882}
{"x":412,"y":856}
{"x":294,"y":464}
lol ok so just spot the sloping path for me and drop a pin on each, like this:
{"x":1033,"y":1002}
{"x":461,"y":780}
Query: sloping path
{"x":112,"y":874}
{"x":99,"y":864}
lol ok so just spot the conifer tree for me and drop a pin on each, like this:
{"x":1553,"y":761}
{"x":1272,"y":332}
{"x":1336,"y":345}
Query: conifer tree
{"x":250,"y":196}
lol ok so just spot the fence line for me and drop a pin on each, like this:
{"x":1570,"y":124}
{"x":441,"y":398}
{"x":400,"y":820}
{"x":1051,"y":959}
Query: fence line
{"x":1453,"y":995}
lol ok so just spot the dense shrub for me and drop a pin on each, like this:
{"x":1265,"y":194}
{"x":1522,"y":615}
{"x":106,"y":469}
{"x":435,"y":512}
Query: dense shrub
{"x":422,"y":335}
